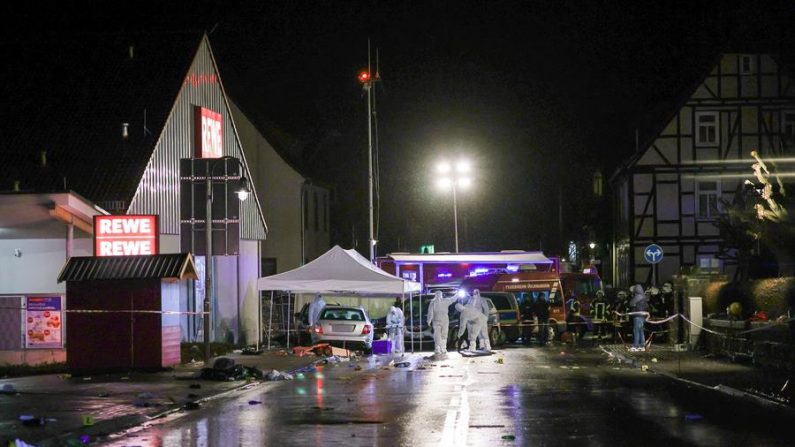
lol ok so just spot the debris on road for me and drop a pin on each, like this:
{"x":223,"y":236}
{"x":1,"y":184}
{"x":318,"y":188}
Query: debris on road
{"x":402,"y":364}
{"x":8,"y":389}
{"x":29,"y":420}
{"x":509,"y":437}
{"x":254,"y":402}
{"x":192,"y":406}
{"x":278,"y":375}
{"x":693,"y":417}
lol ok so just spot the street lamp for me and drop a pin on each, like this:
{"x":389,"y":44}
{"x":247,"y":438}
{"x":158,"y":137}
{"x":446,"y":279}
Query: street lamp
{"x":454,"y":176}
{"x":242,"y":192}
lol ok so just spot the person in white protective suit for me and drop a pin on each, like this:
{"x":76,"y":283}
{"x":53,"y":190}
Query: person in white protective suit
{"x":394,"y":324}
{"x":472,"y":320}
{"x":483,"y":335}
{"x":438,"y":308}
{"x":315,"y":308}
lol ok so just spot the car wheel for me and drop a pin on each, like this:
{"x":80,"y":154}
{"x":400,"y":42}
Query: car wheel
{"x":495,"y":336}
{"x":552,"y":331}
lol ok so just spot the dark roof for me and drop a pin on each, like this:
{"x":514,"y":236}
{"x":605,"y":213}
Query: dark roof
{"x":90,"y":268}
{"x":69,"y":98}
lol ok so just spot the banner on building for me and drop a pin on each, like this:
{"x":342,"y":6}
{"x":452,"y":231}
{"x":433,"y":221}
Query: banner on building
{"x":43,"y":322}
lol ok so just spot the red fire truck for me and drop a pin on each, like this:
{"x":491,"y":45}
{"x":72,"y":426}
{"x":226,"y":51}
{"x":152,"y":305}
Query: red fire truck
{"x":514,"y":271}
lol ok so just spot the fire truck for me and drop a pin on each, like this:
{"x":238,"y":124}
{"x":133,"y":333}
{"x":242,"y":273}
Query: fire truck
{"x":518,"y":272}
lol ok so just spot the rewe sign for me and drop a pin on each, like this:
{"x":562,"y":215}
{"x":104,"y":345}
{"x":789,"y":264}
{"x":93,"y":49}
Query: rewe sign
{"x":209,"y":133}
{"x":125,"y":235}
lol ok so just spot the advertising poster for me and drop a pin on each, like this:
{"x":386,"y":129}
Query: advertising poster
{"x":43,"y":322}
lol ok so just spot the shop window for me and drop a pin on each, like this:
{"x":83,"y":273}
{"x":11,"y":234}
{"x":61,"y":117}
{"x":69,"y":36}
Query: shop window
{"x":709,"y":264}
{"x":708,"y":195}
{"x":707,"y":128}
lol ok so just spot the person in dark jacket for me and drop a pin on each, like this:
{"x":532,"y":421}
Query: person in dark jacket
{"x":541,"y":311}
{"x":639,"y":305}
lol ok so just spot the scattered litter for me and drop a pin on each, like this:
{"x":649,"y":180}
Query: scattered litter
{"x":29,"y":420}
{"x":8,"y":389}
{"x":419,"y":367}
{"x":344,"y":378}
{"x":644,"y":368}
{"x":86,"y":378}
{"x":254,"y":402}
{"x":192,"y":406}
{"x":278,"y":375}
{"x":654,"y":360}
{"x":85,"y":439}
{"x":125,"y":378}
{"x":402,"y":364}
{"x":350,"y":399}
{"x":445,"y":366}
{"x":693,"y":417}
{"x":500,"y":361}
{"x":323,"y":408}
{"x":195,"y":386}
{"x":19,"y":443}
{"x":88,"y":420}
{"x":192,"y":396}
{"x":146,"y":396}
{"x":575,"y":367}
{"x":103,"y":395}
{"x":486,"y":426}
{"x":509,"y":437}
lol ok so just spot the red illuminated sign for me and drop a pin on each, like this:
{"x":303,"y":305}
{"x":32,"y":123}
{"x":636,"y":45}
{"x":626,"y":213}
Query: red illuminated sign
{"x":209,"y":133}
{"x":125,"y":235}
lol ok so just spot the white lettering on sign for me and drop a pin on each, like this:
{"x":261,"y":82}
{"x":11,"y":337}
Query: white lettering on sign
{"x":212,"y":134}
{"x":125,"y":235}
{"x":125,"y":248}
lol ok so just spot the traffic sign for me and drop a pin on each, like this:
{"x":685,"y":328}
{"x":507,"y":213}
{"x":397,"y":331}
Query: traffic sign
{"x":653,"y":254}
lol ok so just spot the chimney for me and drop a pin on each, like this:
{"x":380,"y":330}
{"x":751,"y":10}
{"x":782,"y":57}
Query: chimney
{"x":131,"y":51}
{"x":16,"y":186}
{"x":43,"y":158}
{"x":125,"y":130}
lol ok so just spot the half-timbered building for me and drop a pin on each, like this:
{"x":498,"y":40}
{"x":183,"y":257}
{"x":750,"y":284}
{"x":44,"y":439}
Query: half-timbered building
{"x":669,"y":192}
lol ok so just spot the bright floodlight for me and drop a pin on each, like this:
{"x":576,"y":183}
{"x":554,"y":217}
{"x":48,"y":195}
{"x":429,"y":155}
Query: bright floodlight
{"x":464,"y":182}
{"x":462,"y":166}
{"x":443,"y":167}
{"x":592,"y":245}
{"x":445,"y":182}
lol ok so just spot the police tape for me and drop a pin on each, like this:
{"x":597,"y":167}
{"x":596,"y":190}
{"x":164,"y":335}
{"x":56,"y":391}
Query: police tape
{"x":105,"y":311}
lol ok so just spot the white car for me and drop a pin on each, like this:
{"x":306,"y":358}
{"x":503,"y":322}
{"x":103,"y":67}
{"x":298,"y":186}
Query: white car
{"x":344,"y":326}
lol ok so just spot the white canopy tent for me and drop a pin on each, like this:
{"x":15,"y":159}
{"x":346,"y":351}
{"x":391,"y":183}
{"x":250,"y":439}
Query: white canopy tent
{"x":338,"y":271}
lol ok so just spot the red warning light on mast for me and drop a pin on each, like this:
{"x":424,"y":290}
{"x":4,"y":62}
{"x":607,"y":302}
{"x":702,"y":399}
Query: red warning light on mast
{"x":364,"y":76}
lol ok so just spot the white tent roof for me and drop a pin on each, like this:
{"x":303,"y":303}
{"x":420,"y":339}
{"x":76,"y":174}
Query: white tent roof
{"x":339,"y":271}
{"x":508,"y":256}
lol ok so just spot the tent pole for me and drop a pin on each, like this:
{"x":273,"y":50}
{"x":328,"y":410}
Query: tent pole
{"x":411,"y":312}
{"x":270,"y":322}
{"x":289,"y":298}
{"x":420,"y":323}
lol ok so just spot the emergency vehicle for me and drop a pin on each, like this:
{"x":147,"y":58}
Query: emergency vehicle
{"x":518,"y":272}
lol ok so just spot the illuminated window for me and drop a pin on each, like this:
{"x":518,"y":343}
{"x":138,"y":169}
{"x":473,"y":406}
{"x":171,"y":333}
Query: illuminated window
{"x":746,"y":64}
{"x":707,"y":128}
{"x":708,"y":264}
{"x":707,"y":195}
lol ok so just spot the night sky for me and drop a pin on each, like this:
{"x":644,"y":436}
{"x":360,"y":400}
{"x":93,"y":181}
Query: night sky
{"x":538,"y":95}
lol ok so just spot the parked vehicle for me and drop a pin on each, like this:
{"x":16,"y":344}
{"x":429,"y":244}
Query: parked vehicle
{"x":344,"y":326}
{"x":301,"y":324}
{"x":509,"y":315}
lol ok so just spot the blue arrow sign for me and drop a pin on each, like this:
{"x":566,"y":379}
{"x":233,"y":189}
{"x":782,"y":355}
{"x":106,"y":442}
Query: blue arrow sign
{"x":653,"y":254}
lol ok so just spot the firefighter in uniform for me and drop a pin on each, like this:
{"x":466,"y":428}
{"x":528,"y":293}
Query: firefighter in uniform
{"x":599,"y":311}
{"x":573,"y":321}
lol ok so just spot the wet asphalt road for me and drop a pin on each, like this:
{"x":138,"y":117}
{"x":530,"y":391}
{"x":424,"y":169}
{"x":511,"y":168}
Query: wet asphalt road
{"x":537,"y":396}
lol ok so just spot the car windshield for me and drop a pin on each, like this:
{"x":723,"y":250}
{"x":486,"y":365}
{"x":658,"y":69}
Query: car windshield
{"x":414,"y":308}
{"x":342,"y":314}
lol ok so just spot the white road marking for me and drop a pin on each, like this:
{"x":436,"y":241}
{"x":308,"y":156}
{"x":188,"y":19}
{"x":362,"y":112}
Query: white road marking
{"x":456,"y":423}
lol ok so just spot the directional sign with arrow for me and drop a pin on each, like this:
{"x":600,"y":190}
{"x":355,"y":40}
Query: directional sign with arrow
{"x":653,"y":254}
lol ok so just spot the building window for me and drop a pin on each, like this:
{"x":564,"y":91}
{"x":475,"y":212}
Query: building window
{"x":746,"y":64}
{"x":788,"y":126}
{"x":708,"y":203}
{"x":707,"y":128}
{"x":314,"y":207}
{"x":708,"y":264}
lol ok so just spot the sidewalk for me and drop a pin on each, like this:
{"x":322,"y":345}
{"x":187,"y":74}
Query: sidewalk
{"x":115,"y":402}
{"x":716,"y":380}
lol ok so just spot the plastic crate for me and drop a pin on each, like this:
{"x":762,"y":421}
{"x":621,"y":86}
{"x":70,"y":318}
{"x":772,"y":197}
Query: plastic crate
{"x":382,"y":347}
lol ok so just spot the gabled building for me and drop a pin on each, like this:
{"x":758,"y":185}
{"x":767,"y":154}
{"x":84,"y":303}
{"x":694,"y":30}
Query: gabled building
{"x":669,"y":193}
{"x":107,"y":118}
